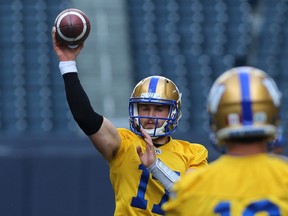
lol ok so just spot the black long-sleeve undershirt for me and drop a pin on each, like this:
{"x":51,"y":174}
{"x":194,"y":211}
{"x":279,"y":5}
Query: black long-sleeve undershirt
{"x":87,"y":119}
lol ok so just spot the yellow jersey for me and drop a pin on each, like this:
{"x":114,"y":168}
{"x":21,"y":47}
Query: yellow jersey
{"x":136,"y":191}
{"x":233,"y":186}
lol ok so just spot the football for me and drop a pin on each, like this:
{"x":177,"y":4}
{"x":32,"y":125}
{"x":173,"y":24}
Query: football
{"x":72,"y":27}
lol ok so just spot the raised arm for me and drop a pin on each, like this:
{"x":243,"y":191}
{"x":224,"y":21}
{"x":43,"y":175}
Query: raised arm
{"x":100,"y":130}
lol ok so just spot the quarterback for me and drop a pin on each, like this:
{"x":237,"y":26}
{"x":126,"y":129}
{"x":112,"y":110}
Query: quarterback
{"x":144,"y":161}
{"x":244,"y":107}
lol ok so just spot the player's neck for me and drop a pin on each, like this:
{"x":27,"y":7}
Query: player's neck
{"x":246,"y":149}
{"x":161,"y":141}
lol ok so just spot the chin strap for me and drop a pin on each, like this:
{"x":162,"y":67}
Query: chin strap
{"x":164,"y":174}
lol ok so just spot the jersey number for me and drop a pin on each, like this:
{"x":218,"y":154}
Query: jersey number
{"x":139,"y":201}
{"x":223,"y":208}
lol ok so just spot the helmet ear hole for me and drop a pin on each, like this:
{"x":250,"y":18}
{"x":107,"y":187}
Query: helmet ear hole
{"x":157,"y":90}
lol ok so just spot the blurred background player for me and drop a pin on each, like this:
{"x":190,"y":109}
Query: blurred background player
{"x":244,"y":106}
{"x":154,"y":113}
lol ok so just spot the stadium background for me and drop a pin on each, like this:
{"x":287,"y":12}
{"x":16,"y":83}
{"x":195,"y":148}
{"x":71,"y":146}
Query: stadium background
{"x":48,"y":167}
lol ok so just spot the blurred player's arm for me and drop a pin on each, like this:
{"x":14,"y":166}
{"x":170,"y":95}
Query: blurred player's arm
{"x":100,"y":130}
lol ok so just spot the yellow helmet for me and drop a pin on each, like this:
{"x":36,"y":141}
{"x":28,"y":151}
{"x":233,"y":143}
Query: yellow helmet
{"x":244,"y":102}
{"x":155,"y":90}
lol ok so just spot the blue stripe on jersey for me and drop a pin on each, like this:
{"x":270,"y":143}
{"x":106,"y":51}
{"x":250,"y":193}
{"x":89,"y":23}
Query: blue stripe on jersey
{"x":247,"y":117}
{"x":153,"y":85}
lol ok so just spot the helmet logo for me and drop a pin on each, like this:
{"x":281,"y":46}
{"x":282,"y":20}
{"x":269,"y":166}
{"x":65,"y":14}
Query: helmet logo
{"x":150,"y":95}
{"x":260,"y":117}
{"x":233,"y":119}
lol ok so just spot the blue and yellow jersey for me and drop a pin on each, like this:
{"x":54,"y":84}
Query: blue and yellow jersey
{"x":233,"y":186}
{"x":136,"y":191}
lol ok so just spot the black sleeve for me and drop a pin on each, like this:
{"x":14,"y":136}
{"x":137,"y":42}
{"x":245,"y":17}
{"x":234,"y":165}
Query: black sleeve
{"x":87,"y":119}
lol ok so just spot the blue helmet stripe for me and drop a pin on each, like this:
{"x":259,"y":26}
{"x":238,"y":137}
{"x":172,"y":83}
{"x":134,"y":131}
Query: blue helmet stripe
{"x":247,"y":117}
{"x":153,"y":85}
